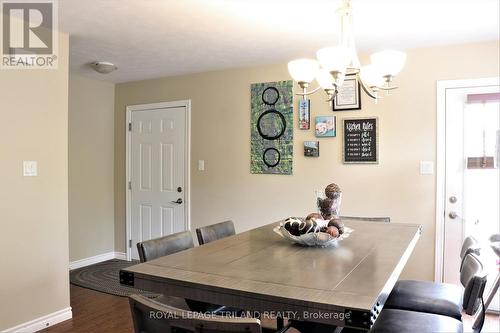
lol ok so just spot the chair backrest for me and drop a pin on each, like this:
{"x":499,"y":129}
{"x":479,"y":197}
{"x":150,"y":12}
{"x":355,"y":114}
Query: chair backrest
{"x":164,"y":246}
{"x":470,"y":245}
{"x":214,"y":232}
{"x":371,"y":219}
{"x":150,"y":316}
{"x":473,"y":279}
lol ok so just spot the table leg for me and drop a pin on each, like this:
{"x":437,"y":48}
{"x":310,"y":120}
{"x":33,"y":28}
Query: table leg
{"x":489,"y":298}
{"x":280,"y":323}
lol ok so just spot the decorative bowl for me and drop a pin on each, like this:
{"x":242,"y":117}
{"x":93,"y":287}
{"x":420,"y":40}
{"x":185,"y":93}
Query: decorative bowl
{"x":312,"y":239}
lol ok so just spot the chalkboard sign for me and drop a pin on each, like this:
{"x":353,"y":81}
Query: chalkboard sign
{"x":360,"y":140}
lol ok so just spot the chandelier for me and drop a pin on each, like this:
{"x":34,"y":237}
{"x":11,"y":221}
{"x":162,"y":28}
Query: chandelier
{"x":334,"y":63}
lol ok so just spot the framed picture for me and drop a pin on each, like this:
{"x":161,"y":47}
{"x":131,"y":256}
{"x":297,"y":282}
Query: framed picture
{"x":326,"y":126}
{"x":361,"y":140}
{"x":349,"y":95}
{"x":304,"y":114}
{"x":311,"y":148}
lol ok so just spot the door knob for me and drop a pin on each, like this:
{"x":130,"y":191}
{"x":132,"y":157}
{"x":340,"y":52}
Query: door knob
{"x":453,"y":199}
{"x":178,"y":201}
{"x":452,"y":215}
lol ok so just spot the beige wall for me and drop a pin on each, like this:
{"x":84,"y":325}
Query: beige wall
{"x":221,"y":132}
{"x":34,"y":214}
{"x":91,"y":163}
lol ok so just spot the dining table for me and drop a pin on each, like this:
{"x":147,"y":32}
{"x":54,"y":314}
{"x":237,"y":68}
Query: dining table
{"x":344,"y":285}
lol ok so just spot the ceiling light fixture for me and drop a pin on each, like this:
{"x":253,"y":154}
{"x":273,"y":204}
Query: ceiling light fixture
{"x":103,"y":67}
{"x":333,"y":63}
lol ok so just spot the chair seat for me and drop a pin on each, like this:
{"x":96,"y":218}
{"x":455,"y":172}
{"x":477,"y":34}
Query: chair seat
{"x":402,"y":321}
{"x":424,"y":296}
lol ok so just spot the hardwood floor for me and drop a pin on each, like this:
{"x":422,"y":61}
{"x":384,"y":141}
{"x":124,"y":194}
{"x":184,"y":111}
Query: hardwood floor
{"x":99,"y":312}
{"x":95,"y":312}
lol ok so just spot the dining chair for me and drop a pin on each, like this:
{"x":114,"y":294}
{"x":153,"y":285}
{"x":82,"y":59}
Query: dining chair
{"x":406,"y":321}
{"x":371,"y":219}
{"x":437,"y":298}
{"x":214,"y":232}
{"x":150,"y":316}
{"x":163,"y":246}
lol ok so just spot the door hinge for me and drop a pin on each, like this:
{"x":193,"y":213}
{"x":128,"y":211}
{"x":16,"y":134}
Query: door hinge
{"x":130,"y":127}
{"x":130,"y":243}
{"x":129,"y":185}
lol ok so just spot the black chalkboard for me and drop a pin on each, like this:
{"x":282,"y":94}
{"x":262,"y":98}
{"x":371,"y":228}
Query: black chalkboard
{"x":360,"y":140}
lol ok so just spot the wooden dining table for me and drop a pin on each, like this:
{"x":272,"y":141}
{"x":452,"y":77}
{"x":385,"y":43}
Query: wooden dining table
{"x":344,"y":285}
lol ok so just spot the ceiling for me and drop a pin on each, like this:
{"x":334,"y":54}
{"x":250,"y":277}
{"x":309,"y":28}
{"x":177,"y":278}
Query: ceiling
{"x":155,"y":38}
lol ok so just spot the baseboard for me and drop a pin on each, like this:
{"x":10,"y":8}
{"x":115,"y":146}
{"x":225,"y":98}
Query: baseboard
{"x":42,"y":322}
{"x":97,"y":259}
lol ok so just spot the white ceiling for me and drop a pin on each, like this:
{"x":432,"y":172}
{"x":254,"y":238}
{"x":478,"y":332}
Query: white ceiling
{"x":155,"y":38}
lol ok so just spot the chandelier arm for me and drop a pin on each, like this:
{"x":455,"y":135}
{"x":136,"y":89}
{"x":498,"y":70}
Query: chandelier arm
{"x":308,"y":93}
{"x":388,"y":88}
{"x":366,"y":89}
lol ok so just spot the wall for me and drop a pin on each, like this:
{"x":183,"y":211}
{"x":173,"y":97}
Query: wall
{"x":34,"y":215}
{"x":91,"y":163}
{"x":221,"y":132}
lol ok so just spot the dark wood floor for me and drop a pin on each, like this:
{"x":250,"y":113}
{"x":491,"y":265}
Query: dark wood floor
{"x":99,"y":312}
{"x":95,"y":312}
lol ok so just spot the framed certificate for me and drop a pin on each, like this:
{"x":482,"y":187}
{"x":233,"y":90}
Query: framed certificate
{"x":349,"y":95}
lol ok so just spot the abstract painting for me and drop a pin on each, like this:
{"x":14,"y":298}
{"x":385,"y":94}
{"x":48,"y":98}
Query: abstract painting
{"x":271,"y":128}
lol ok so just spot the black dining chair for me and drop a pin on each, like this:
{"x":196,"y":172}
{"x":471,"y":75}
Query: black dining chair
{"x":437,"y":298}
{"x":150,"y":316}
{"x":406,"y":321}
{"x":214,"y":232}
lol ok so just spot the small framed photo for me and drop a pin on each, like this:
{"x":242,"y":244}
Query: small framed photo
{"x":311,"y":148}
{"x":304,"y":114}
{"x":349,"y":95}
{"x":326,"y":126}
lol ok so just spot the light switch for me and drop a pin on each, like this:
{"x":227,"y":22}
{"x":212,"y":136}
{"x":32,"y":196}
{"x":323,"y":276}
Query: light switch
{"x":30,"y":168}
{"x":426,"y":167}
{"x":201,"y":165}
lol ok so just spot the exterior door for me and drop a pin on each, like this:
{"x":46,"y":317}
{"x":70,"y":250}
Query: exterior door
{"x":157,"y":179}
{"x":472,"y":191}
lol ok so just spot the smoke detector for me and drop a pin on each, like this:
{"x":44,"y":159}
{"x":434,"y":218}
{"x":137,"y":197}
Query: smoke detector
{"x":103,"y":67}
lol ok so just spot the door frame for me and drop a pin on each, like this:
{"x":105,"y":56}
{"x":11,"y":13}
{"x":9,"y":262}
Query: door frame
{"x":441,"y":88}
{"x":186,"y":104}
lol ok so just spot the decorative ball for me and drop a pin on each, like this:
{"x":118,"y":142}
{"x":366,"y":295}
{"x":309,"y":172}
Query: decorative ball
{"x":306,"y":227}
{"x":337,"y":223}
{"x":333,"y":231}
{"x":314,"y":215}
{"x":325,"y":204}
{"x":293,"y":227}
{"x":332,"y":191}
{"x":327,"y":215}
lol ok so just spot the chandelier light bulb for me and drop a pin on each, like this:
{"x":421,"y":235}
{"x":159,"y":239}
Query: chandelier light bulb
{"x":389,"y":62}
{"x":325,"y":79}
{"x":303,"y":70}
{"x":334,"y":59}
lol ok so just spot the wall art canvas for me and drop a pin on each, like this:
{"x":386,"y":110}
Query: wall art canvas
{"x":304,"y":114}
{"x":311,"y":148}
{"x":326,"y":126}
{"x":271,"y":128}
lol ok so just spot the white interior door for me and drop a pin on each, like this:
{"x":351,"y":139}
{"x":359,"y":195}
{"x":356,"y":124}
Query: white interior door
{"x":157,"y":174}
{"x":472,"y":200}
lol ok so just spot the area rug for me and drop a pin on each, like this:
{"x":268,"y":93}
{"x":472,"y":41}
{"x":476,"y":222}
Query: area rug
{"x":104,"y":277}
